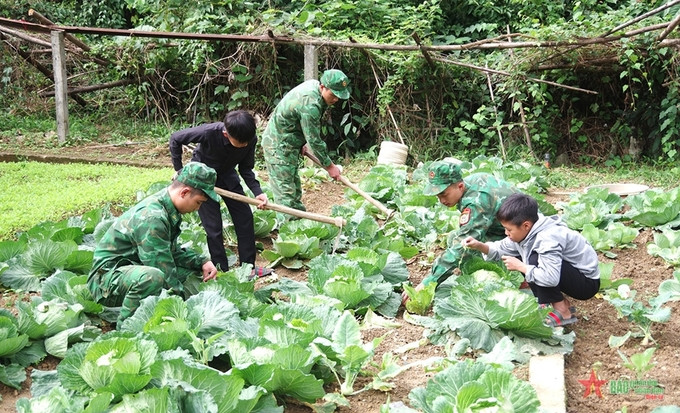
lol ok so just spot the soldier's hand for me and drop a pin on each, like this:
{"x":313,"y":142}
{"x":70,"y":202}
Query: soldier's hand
{"x":333,"y":171}
{"x":404,"y":298}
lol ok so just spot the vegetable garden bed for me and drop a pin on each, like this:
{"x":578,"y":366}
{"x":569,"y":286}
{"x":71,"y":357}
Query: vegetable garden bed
{"x":599,"y":321}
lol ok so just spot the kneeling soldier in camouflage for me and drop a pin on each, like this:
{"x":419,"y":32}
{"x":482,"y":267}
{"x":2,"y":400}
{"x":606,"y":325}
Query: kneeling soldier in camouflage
{"x":138,"y":256}
{"x":478,"y":198}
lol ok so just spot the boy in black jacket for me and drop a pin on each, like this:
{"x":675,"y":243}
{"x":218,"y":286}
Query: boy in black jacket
{"x":223,"y":146}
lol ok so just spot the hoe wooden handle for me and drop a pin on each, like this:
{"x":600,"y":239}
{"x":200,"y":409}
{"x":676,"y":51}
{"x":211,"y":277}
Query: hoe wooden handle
{"x":353,"y":187}
{"x":337,"y":221}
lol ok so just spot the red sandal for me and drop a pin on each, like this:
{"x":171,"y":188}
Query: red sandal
{"x":555,"y":319}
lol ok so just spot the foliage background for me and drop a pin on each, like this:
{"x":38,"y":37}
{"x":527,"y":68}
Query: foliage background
{"x":441,"y":110}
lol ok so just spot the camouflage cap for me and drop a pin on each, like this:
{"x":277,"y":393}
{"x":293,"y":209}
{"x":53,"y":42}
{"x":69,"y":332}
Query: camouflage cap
{"x":199,"y":176}
{"x":337,"y":82}
{"x":441,"y":174}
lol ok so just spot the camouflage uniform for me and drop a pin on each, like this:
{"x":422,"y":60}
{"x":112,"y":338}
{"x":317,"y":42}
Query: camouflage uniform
{"x":296,"y":120}
{"x":138,"y":256}
{"x":479,"y":204}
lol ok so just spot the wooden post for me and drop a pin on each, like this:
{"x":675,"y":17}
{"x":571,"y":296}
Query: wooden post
{"x":311,"y":65}
{"x":60,"y":87}
{"x":495,"y":111}
{"x":311,"y":62}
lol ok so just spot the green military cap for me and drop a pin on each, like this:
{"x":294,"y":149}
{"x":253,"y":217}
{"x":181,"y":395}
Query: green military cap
{"x":199,"y":176}
{"x":337,"y":82}
{"x":441,"y":174}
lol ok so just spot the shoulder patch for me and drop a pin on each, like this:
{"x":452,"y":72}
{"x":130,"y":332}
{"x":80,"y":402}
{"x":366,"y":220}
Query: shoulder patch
{"x":464,"y":217}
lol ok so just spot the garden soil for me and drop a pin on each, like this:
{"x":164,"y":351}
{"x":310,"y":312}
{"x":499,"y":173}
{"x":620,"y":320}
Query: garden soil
{"x":598,"y":320}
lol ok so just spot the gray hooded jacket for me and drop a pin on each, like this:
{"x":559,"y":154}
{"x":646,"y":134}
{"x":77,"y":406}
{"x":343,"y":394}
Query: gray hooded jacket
{"x":554,"y":242}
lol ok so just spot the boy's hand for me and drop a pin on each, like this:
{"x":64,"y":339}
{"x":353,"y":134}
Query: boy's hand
{"x":514,"y":264}
{"x":470,"y":242}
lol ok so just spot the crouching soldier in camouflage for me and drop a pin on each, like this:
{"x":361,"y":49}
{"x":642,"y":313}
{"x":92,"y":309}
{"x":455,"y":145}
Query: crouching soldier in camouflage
{"x":296,"y":120}
{"x":478,"y":198}
{"x":138,"y":256}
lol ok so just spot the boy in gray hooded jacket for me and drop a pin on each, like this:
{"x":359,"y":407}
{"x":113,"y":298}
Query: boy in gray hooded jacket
{"x":553,"y":258}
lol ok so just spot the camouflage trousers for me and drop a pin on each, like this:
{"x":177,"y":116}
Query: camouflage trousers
{"x":127,"y":285}
{"x":284,"y":181}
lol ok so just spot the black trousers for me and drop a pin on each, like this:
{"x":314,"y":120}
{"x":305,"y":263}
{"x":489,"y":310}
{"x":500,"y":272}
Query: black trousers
{"x":241,"y":216}
{"x":572,"y":283}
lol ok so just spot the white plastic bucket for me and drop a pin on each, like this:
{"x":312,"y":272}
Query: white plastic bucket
{"x":392,"y":153}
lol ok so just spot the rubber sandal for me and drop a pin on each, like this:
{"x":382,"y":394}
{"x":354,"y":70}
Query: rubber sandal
{"x":572,"y":309}
{"x":259,"y":272}
{"x":555,"y":319}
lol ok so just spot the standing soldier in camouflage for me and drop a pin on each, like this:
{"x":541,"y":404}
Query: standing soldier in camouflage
{"x":296,"y":120}
{"x":478,"y":198}
{"x":138,"y":256}
{"x":225,"y":146}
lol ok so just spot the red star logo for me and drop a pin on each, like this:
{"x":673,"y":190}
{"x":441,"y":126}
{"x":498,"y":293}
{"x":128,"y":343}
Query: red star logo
{"x":593,"y":383}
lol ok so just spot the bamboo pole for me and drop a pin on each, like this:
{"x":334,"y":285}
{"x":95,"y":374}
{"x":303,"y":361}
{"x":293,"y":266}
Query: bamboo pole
{"x":504,"y":73}
{"x":525,"y":127}
{"x":671,"y":26}
{"x":92,"y":88}
{"x":617,"y":28}
{"x":25,"y":37}
{"x":426,"y":55}
{"x":23,"y":25}
{"x":44,"y":20}
{"x":641,"y":17}
{"x":495,"y":111}
{"x":42,"y":69}
{"x":337,"y":221}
